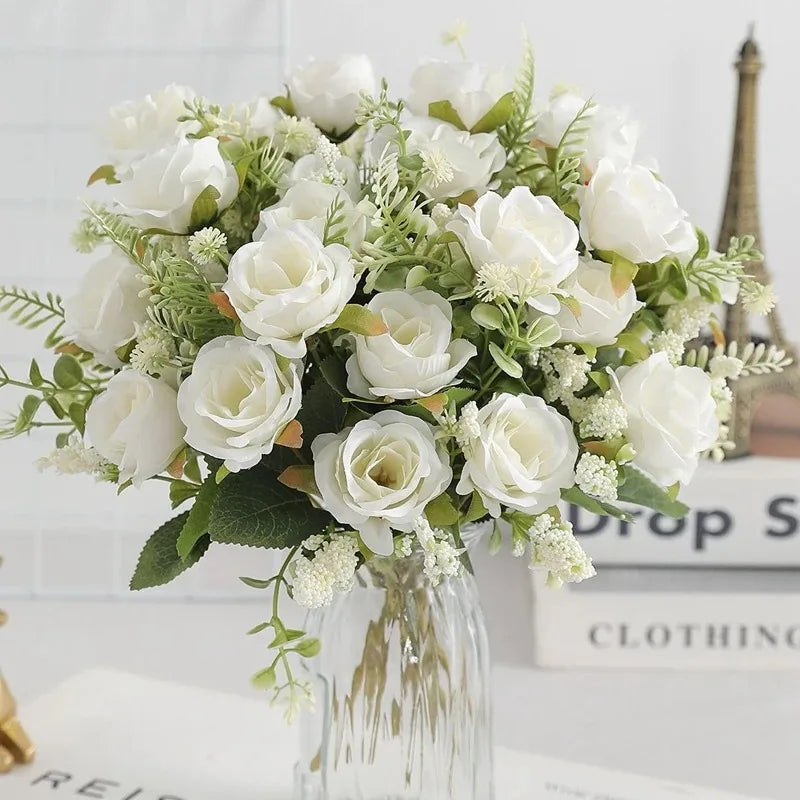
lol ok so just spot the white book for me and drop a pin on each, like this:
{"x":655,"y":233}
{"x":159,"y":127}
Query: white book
{"x":744,"y":512}
{"x":671,"y":618}
{"x":114,"y":736}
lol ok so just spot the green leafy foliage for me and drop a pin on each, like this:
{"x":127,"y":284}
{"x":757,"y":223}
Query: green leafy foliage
{"x":253,"y":509}
{"x":204,"y":208}
{"x":518,"y":130}
{"x":31,"y":310}
{"x":159,"y":562}
{"x":578,"y":497}
{"x":637,"y":488}
{"x":499,"y":114}
{"x":196,"y":525}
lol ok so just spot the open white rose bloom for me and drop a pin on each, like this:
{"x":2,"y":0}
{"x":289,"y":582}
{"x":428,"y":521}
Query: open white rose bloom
{"x":335,"y":323}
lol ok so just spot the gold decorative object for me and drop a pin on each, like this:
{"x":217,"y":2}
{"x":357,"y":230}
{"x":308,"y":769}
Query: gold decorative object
{"x":15,"y":746}
{"x":741,"y":217}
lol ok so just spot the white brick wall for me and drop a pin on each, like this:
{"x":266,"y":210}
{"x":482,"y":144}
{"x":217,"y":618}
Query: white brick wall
{"x":61,"y":65}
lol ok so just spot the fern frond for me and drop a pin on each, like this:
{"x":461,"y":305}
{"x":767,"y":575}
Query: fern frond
{"x":139,"y":247}
{"x":757,"y":359}
{"x":31,"y":310}
{"x":568,"y":154}
{"x":518,"y":131}
{"x":335,"y":230}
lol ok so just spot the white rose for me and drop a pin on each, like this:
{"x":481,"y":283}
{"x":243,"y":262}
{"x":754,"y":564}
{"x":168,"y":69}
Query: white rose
{"x":103,"y":314}
{"x":137,"y":127}
{"x":238,"y":400}
{"x":311,"y":167}
{"x":469,"y":88}
{"x":611,"y":133}
{"x":134,"y":424}
{"x":310,"y":202}
{"x":629,"y":211}
{"x":329,"y":92}
{"x":417,"y":357}
{"x":380,"y":474}
{"x":163,"y":186}
{"x":603,"y":315}
{"x":531,"y":234}
{"x":455,"y":162}
{"x":672,"y":417}
{"x":287,"y":286}
{"x":258,"y":118}
{"x":525,"y":455}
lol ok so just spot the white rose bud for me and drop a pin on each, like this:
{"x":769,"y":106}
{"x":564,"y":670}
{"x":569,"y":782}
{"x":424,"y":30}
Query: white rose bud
{"x":603,"y":315}
{"x":342,"y":173}
{"x":380,"y":474}
{"x":329,"y":92}
{"x":417,"y":357}
{"x":134,"y":424}
{"x":528,"y":233}
{"x":238,"y":400}
{"x":525,"y":455}
{"x":310,"y":202}
{"x":672,"y":417}
{"x":629,"y":211}
{"x":137,"y":127}
{"x":454,"y":162}
{"x":469,"y":88}
{"x":611,"y":133}
{"x":104,"y":312}
{"x":163,"y":186}
{"x":287,"y":286}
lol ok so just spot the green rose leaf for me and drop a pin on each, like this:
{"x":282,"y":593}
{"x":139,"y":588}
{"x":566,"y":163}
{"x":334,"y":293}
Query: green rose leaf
{"x":197,"y":522}
{"x":358,"y":319}
{"x":181,"y":491}
{"x":623,"y":271}
{"x":639,"y":489}
{"x":104,"y":173}
{"x":204,"y":208}
{"x":284,"y":103}
{"x":634,"y":345}
{"x":253,"y":509}
{"x":497,"y":115}
{"x":444,"y":110}
{"x":441,"y":511}
{"x":159,"y":562}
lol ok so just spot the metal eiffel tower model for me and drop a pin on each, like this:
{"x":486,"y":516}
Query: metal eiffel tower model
{"x":741,"y":217}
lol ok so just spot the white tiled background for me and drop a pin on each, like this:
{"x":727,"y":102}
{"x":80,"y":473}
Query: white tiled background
{"x":63,"y":61}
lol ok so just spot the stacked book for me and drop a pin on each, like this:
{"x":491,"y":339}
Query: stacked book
{"x":717,"y":589}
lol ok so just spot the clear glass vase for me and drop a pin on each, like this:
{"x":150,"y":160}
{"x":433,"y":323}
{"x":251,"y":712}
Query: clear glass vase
{"x":402,"y":691}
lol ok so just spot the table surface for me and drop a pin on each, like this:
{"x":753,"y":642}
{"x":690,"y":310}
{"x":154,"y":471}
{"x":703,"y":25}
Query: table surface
{"x":734,"y":730}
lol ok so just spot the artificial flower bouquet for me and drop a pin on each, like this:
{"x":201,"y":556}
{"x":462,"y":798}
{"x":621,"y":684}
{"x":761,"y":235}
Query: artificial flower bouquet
{"x":347,"y":326}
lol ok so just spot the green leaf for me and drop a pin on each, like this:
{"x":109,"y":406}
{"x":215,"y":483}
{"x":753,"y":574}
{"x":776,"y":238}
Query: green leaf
{"x":417,"y":276}
{"x":67,"y":372}
{"x":77,"y":414}
{"x":497,"y":115}
{"x":512,"y":368}
{"x":634,"y":345}
{"x":221,"y":473}
{"x":265,"y":679}
{"x":257,"y":583}
{"x":181,"y":491}
{"x":285,"y":104}
{"x":35,"y":374}
{"x":308,"y":648}
{"x":262,"y":626}
{"x":27,"y":413}
{"x":444,"y":110}
{"x":459,"y":394}
{"x":322,"y":411}
{"x":197,"y":521}
{"x":578,"y":497}
{"x":204,"y":208}
{"x":104,"y":173}
{"x":600,"y":379}
{"x":412,"y":162}
{"x":488,"y":316}
{"x":477,"y":509}
{"x":359,"y":319}
{"x":441,"y":511}
{"x":639,"y":489}
{"x":543,"y":332}
{"x":159,"y":562}
{"x":253,"y":509}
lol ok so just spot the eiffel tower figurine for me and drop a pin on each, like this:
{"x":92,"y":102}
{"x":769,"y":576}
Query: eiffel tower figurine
{"x":741,"y":217}
{"x":15,"y":746}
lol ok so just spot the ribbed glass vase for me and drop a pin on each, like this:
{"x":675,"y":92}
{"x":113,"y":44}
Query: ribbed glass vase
{"x":402,"y":689}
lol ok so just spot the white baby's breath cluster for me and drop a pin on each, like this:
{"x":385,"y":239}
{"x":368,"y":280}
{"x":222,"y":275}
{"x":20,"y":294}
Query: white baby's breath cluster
{"x":556,"y":551}
{"x":75,"y":458}
{"x":410,"y":323}
{"x":597,"y":477}
{"x":328,"y":568}
{"x":441,"y":557}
